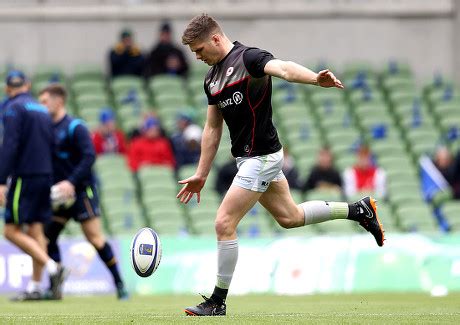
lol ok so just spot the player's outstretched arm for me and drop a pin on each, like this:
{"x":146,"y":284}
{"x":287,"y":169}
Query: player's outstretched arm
{"x":209,"y":144}
{"x":293,"y":72}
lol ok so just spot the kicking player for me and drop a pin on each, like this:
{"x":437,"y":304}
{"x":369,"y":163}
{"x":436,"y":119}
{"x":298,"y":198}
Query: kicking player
{"x":26,"y":157}
{"x":239,"y":88}
{"x":73,"y":177}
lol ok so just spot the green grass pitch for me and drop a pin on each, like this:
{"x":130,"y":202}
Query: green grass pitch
{"x":252,"y":309}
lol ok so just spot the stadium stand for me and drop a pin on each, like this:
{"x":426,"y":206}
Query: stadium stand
{"x":382,"y":106}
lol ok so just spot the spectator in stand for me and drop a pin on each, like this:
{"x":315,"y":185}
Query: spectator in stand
{"x":165,"y":57}
{"x":365,"y":176}
{"x":186,"y":141}
{"x":150,"y":148}
{"x":225,"y":176}
{"x":456,"y":178}
{"x":324,"y":175}
{"x":290,"y":171}
{"x":107,"y":138}
{"x":126,"y":57}
{"x":448,"y":166}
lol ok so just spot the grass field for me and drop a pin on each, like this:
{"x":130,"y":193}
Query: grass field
{"x":318,"y":309}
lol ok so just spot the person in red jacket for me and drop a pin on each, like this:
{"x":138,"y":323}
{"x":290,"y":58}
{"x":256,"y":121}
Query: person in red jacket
{"x":151,"y":148}
{"x":365,"y":176}
{"x":107,"y":138}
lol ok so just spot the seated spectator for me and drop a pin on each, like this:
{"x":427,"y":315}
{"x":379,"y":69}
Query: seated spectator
{"x":186,"y":141}
{"x":447,"y":165}
{"x":165,"y":57}
{"x":150,"y":148}
{"x":290,"y":171}
{"x":225,"y":176}
{"x":365,"y":176}
{"x":324,"y":175}
{"x":456,"y":178}
{"x":126,"y":57}
{"x":107,"y":138}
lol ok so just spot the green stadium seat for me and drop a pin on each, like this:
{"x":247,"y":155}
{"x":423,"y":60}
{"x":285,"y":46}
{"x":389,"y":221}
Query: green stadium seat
{"x":126,"y":83}
{"x":451,"y":211}
{"x":352,"y":69}
{"x":394,"y":69}
{"x":81,"y":87}
{"x":449,"y":122}
{"x":171,"y":101}
{"x":132,"y":97}
{"x":417,"y":217}
{"x":388,"y":219}
{"x":166,"y":83}
{"x":256,"y":223}
{"x":324,"y":195}
{"x":327,"y":96}
{"x":38,"y":85}
{"x":374,"y":98}
{"x":399,"y":83}
{"x":345,"y":161}
{"x":87,"y":72}
{"x":49,"y":73}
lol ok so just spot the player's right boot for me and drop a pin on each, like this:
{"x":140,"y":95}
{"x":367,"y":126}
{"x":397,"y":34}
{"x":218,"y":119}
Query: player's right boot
{"x":207,"y":308}
{"x":366,"y":215}
{"x":122,"y":293}
{"x":28,"y":296}
{"x":56,"y":281}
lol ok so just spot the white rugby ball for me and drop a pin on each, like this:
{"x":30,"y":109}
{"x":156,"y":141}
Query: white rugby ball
{"x":58,"y":200}
{"x":145,"y":252}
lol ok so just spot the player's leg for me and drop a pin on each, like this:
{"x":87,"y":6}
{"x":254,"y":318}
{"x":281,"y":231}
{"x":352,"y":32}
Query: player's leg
{"x":87,"y":212}
{"x":253,"y":178}
{"x":93,"y":232}
{"x":52,"y":231}
{"x":236,"y":203}
{"x":36,"y":231}
{"x":26,"y":243}
{"x":278,"y":201}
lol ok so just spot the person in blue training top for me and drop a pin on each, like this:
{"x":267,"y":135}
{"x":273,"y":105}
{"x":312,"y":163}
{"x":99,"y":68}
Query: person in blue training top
{"x":73,"y":178}
{"x":26,"y":161}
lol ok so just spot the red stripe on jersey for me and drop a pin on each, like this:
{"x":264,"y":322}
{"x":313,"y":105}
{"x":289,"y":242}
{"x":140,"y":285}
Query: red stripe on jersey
{"x":229,"y":85}
{"x":253,"y":117}
{"x":263,"y":96}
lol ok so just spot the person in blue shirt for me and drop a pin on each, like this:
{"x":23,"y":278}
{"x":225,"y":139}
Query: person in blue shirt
{"x":73,"y":178}
{"x":26,"y":165}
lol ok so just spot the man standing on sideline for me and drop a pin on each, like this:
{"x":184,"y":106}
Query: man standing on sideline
{"x":26,"y":158}
{"x":73,"y":177}
{"x":238,"y":87}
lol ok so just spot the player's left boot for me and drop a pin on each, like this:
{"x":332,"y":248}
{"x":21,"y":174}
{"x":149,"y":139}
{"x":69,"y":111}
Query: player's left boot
{"x":56,"y":281}
{"x":122,"y":293}
{"x":207,"y":308}
{"x":366,"y":215}
{"x":28,"y":296}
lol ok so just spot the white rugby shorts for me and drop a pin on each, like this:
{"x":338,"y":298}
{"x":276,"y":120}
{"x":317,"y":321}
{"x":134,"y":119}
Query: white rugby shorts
{"x":256,"y":173}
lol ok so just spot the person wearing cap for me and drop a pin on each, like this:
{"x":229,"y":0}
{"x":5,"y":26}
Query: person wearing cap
{"x":126,"y":57}
{"x":150,"y":148}
{"x":26,"y":161}
{"x":107,"y":138}
{"x":364,"y":176}
{"x":186,"y":141}
{"x":165,"y":57}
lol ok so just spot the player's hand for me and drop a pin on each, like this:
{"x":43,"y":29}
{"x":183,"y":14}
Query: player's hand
{"x":326,"y":78}
{"x":192,"y":185}
{"x":66,"y":188}
{"x":3,"y":190}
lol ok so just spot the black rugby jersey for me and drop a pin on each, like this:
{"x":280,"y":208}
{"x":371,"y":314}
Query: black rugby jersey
{"x":241,"y":90}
